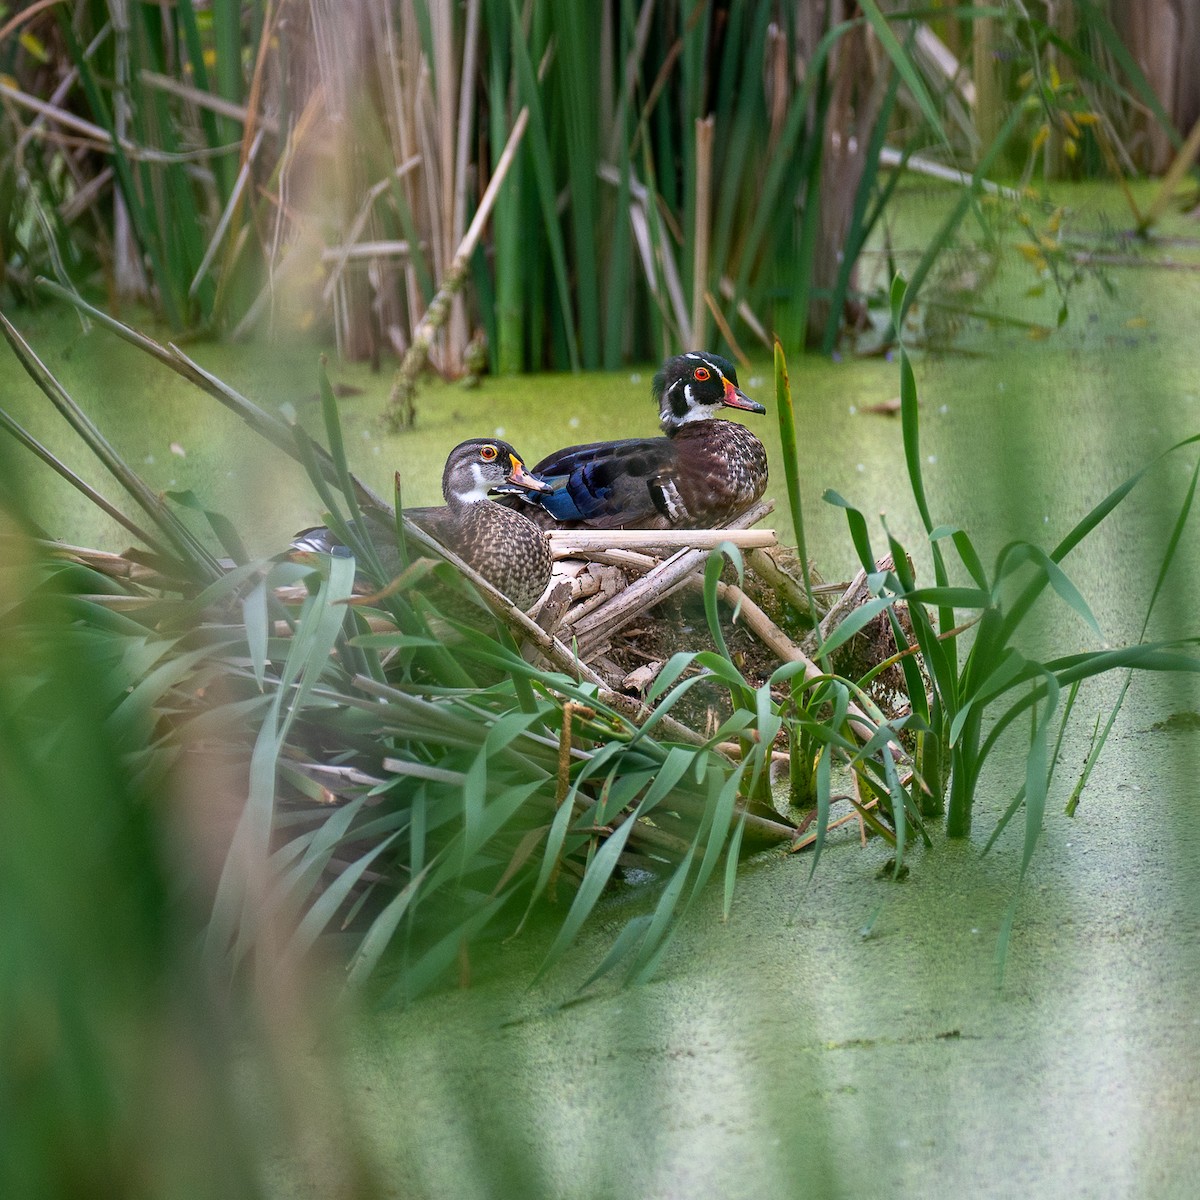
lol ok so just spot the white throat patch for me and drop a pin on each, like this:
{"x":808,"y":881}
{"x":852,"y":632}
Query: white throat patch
{"x":695,"y":410}
{"x":479,"y":491}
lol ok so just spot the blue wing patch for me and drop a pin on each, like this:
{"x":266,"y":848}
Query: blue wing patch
{"x":600,"y":480}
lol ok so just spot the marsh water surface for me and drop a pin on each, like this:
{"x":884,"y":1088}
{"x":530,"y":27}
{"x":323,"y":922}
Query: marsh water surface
{"x":846,"y":1035}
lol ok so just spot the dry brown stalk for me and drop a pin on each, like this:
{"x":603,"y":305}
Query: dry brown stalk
{"x":630,"y":559}
{"x":756,"y":620}
{"x":114,"y":566}
{"x":203,"y":99}
{"x":785,"y":649}
{"x":100,"y":137}
{"x":651,"y":835}
{"x":652,"y":588}
{"x":568,"y":543}
{"x":726,"y":330}
{"x":400,"y":410}
{"x":773,"y":828}
{"x":763,"y":563}
{"x":746,"y":313}
{"x":558,"y":654}
{"x":809,"y":839}
{"x":855,"y":595}
{"x":569,"y":709}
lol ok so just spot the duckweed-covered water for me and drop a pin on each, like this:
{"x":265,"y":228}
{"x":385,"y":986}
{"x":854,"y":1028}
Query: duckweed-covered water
{"x":844,"y":1035}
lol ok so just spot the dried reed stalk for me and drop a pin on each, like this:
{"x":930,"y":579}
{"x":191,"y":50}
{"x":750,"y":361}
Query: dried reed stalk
{"x":555,"y":651}
{"x":651,"y":589}
{"x":569,"y":543}
{"x":786,"y":650}
{"x":401,"y":412}
{"x":856,"y":594}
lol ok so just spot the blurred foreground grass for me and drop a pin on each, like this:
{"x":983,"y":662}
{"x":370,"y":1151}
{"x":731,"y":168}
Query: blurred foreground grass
{"x":125,"y":1068}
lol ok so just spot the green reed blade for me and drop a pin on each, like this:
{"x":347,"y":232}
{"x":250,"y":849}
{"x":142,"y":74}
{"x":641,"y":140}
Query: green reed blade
{"x":905,"y":67}
{"x":185,"y":543}
{"x":168,"y":187}
{"x":657,"y":932}
{"x":26,"y":439}
{"x":1099,"y":23}
{"x":789,"y":447}
{"x":218,"y":130}
{"x":740,"y":123}
{"x":620,"y":256}
{"x":969,"y":195}
{"x":537,"y":147}
{"x":142,"y":223}
{"x":576,"y":34}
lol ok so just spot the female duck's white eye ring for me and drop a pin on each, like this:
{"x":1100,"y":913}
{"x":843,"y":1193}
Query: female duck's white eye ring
{"x":701,"y":374}
{"x":488,"y":453}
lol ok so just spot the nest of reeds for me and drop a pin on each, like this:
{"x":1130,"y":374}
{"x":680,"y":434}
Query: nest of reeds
{"x":626,"y":600}
{"x":622,"y":603}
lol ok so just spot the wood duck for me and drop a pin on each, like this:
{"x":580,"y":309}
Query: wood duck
{"x":701,"y":474}
{"x":501,"y":543}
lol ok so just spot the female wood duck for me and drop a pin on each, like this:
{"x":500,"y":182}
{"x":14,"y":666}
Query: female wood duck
{"x":502,"y":544}
{"x":701,"y":474}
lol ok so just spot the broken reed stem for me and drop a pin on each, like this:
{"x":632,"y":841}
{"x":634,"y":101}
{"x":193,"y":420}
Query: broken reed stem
{"x":747,"y":314}
{"x":651,"y":835}
{"x":401,"y":412}
{"x":761,"y":562}
{"x":278,"y":432}
{"x":113,"y":566}
{"x":854,"y":596}
{"x":809,"y":839}
{"x":629,"y":559}
{"x":554,"y":650}
{"x":693,"y":806}
{"x":652,"y":588}
{"x":569,"y":543}
{"x":726,"y":330}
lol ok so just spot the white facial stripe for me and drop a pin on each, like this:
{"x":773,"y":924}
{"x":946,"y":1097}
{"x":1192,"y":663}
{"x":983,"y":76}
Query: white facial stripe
{"x":708,"y":362}
{"x":479,"y":491}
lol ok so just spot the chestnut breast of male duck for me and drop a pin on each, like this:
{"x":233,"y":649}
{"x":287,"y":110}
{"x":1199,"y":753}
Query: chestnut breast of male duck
{"x":701,"y":474}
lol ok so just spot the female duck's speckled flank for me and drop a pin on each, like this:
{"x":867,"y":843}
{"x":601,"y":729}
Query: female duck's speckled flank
{"x":502,"y":544}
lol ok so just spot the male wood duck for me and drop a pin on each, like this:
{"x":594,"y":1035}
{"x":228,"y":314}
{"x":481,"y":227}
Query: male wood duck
{"x":502,"y":544}
{"x":704,"y":472}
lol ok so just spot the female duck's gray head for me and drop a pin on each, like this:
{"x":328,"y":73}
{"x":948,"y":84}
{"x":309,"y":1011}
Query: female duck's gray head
{"x":478,"y":467}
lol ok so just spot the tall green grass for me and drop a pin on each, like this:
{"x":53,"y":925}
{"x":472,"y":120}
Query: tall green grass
{"x":679,"y":158}
{"x":413,"y":797}
{"x":128,"y":1067}
{"x":975,"y":683}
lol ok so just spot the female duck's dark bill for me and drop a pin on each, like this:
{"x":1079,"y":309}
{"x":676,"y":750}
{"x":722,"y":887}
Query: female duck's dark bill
{"x":520,"y":480}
